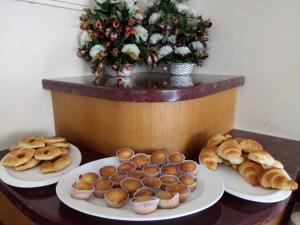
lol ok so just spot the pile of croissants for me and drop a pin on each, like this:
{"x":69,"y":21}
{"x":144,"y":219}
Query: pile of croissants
{"x":248,"y":158}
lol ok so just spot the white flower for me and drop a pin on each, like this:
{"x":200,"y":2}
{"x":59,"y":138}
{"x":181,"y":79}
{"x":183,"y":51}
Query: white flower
{"x":84,"y":39}
{"x":141,"y":33}
{"x":154,"y":18}
{"x":94,"y":51}
{"x":197,"y":45}
{"x":139,"y":16}
{"x":132,"y":50}
{"x":155,"y":38}
{"x":193,"y":12}
{"x":101,"y":1}
{"x":130,"y":3}
{"x":171,"y":39}
{"x":182,"y":8}
{"x":151,"y":3}
{"x":164,"y":51}
{"x":115,"y":1}
{"x":107,"y":32}
{"x":182,"y":50}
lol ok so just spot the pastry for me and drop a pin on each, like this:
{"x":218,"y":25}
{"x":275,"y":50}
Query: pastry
{"x":131,"y":185}
{"x":107,"y":171}
{"x":189,"y":181}
{"x":30,"y":164}
{"x":249,"y":145}
{"x":169,"y":169}
{"x":64,"y":151}
{"x":144,"y":204}
{"x":47,"y":153}
{"x":152,"y":182}
{"x":89,"y":177}
{"x":209,"y":157}
{"x":101,"y":186}
{"x":124,"y":154}
{"x":51,"y":140}
{"x":159,"y":157}
{"x":82,"y":190}
{"x":136,"y":174}
{"x":250,"y":171}
{"x":176,"y":158}
{"x":215,"y":140}
{"x":168,"y":200}
{"x":275,"y":178}
{"x":189,"y":167}
{"x":151,"y":170}
{"x":141,"y":160}
{"x":60,"y":144}
{"x":17,"y":157}
{"x":167,"y":180}
{"x":56,"y":165}
{"x":116,"y":197}
{"x":145,"y":191}
{"x":181,"y":189}
{"x":15,"y":147}
{"x":117,"y":178}
{"x":262,"y":157}
{"x":126,"y":167}
{"x":231,"y":151}
{"x":32,"y":142}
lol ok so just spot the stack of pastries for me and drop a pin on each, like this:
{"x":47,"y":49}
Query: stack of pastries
{"x":50,"y":153}
{"x":248,"y":158}
{"x":159,"y":180}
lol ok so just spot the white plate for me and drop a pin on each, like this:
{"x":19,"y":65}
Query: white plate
{"x":236,"y":185}
{"x":33,"y":177}
{"x":210,"y":190}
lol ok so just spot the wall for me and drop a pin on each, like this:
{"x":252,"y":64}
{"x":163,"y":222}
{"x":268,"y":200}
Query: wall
{"x":257,"y":38}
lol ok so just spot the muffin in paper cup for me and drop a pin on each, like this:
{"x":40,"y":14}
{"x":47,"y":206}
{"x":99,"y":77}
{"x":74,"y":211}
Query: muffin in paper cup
{"x":176,"y":157}
{"x":168,"y":200}
{"x":107,"y":171}
{"x":144,"y":205}
{"x":145,"y":191}
{"x":102,"y":186}
{"x":89,"y":177}
{"x":137,"y":174}
{"x":141,"y":160}
{"x":116,"y":179}
{"x":82,"y":190}
{"x":126,"y":167}
{"x":189,"y":180}
{"x":151,"y":171}
{"x":131,"y":185}
{"x":124,"y":154}
{"x":169,"y":169}
{"x":152,"y":182}
{"x":116,"y":197}
{"x":181,"y":189}
{"x":189,"y":167}
{"x":159,"y":157}
{"x":167,"y":180}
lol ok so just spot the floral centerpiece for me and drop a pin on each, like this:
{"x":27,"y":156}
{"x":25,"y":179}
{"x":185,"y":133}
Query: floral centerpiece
{"x":112,"y":36}
{"x":177,"y":36}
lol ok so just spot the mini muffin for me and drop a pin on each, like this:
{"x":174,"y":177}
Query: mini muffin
{"x":168,"y":200}
{"x":144,"y":205}
{"x":124,"y":154}
{"x":141,"y":160}
{"x":101,"y":186}
{"x":137,"y":174}
{"x":82,"y":190}
{"x":159,"y":157}
{"x":107,"y":171}
{"x":189,"y":180}
{"x":116,"y":197}
{"x":125,"y":167}
{"x":176,"y":158}
{"x":169,"y":169}
{"x":179,"y":188}
{"x":131,"y":185}
{"x":167,"y":180}
{"x":189,"y":167}
{"x":89,"y":177}
{"x":116,"y":179}
{"x":145,"y":191}
{"x":152,"y":182}
{"x":151,"y":170}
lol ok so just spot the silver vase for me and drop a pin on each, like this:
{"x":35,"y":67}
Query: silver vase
{"x":180,"y":81}
{"x":181,"y":69}
{"x":124,"y":72}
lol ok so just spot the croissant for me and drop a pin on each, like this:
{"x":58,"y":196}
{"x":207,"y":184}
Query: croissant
{"x":249,"y":145}
{"x":231,"y":151}
{"x":209,"y":157}
{"x":250,"y":171}
{"x":215,"y":140}
{"x":275,"y":178}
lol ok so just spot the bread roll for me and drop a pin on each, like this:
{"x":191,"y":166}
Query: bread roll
{"x":209,"y":157}
{"x":250,"y":171}
{"x":231,"y":151}
{"x":249,"y":145}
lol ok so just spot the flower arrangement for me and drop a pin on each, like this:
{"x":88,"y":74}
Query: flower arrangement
{"x":113,"y":35}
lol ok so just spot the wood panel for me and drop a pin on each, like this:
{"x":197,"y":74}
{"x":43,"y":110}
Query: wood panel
{"x":105,"y":125}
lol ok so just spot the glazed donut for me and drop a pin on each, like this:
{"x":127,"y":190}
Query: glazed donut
{"x":17,"y":157}
{"x":56,"y":164}
{"x":47,"y":153}
{"x":50,"y":140}
{"x":32,"y":142}
{"x":60,"y":144}
{"x":30,"y":164}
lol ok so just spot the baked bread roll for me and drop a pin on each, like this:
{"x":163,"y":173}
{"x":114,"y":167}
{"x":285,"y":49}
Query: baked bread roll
{"x":56,"y":164}
{"x":231,"y":151}
{"x":47,"y":153}
{"x":50,"y":140}
{"x":209,"y":157}
{"x":215,"y":140}
{"x":264,"y":158}
{"x":275,"y":178}
{"x":32,"y":142}
{"x":249,"y":145}
{"x":17,"y":157}
{"x":60,"y":144}
{"x":250,"y":171}
{"x":30,"y":164}
{"x":15,"y":147}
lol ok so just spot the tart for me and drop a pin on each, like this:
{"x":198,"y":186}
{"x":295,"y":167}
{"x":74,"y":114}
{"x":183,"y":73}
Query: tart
{"x":137,"y":174}
{"x":116,"y":179}
{"x":89,"y":177}
{"x":152,"y":182}
{"x":145,"y":191}
{"x":126,"y":167}
{"x":116,"y":197}
{"x":189,"y":167}
{"x":168,"y":200}
{"x":107,"y":171}
{"x":179,"y":188}
{"x":167,"y":180}
{"x":141,"y":160}
{"x":159,"y":157}
{"x":169,"y":169}
{"x":124,"y":154}
{"x":131,"y":185}
{"x":144,"y":204}
{"x":151,"y":170}
{"x":82,"y":190}
{"x":176,"y":158}
{"x":189,"y":180}
{"x":101,"y":186}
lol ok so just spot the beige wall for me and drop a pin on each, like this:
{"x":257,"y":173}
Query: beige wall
{"x":259,"y":39}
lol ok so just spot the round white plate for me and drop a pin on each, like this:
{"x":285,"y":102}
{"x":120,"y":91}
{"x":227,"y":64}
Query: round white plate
{"x":236,"y":185}
{"x":33,"y":177}
{"x":210,"y":190}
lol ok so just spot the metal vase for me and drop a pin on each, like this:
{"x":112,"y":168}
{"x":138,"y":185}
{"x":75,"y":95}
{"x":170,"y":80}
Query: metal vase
{"x":124,"y":72}
{"x":181,"y":69}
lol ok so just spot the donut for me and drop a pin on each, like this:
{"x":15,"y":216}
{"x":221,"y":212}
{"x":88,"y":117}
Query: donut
{"x":50,"y":140}
{"x":56,"y":164}
{"x":47,"y":153}
{"x":60,"y":144}
{"x":32,"y":142}
{"x":17,"y":157}
{"x":30,"y":164}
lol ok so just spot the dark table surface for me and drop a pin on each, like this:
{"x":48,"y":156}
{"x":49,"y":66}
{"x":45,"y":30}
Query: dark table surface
{"x":145,"y":87}
{"x":43,"y":207}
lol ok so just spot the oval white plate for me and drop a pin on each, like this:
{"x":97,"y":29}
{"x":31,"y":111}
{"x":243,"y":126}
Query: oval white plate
{"x":33,"y":177}
{"x":236,"y":185}
{"x":210,"y":190}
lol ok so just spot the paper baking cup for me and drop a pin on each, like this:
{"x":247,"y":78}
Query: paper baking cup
{"x":140,"y":167}
{"x":145,"y":207}
{"x":114,"y":204}
{"x":81,"y":194}
{"x":171,"y":203}
{"x":191,"y":187}
{"x":182,"y":197}
{"x":164,"y":185}
{"x":193,"y":173}
{"x":124,"y":160}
